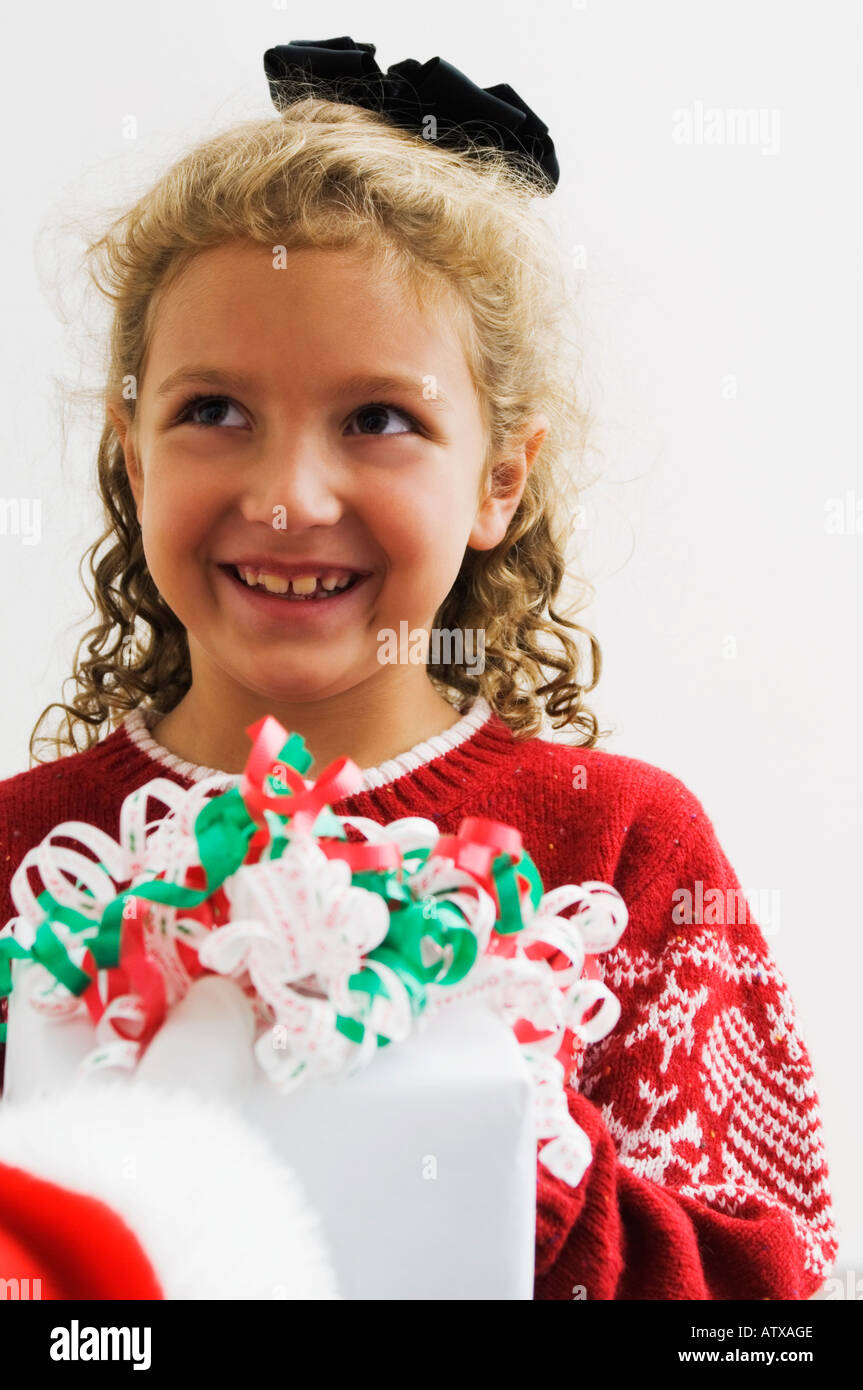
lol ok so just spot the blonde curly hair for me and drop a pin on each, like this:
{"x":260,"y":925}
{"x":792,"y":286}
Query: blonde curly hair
{"x":328,"y":174}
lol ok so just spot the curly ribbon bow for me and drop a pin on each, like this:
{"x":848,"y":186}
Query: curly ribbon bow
{"x":343,"y":947}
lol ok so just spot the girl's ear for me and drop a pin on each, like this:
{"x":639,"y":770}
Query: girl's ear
{"x":510,"y":476}
{"x":133,"y":468}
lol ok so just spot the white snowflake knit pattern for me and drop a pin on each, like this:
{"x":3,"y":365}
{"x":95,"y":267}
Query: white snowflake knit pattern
{"x":705,"y":1086}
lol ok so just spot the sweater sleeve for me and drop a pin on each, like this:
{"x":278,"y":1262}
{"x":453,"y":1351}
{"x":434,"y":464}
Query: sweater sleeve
{"x":709,"y":1178}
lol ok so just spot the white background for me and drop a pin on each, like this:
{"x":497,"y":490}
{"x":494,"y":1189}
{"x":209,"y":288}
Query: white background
{"x":721,"y":314}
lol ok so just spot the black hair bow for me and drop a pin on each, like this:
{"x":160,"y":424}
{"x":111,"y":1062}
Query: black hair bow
{"x":409,"y":92}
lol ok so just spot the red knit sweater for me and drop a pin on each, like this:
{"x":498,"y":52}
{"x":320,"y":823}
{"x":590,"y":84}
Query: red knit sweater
{"x":708,"y":1178}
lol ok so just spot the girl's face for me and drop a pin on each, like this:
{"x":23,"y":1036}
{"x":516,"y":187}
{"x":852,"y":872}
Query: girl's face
{"x":287,"y":458}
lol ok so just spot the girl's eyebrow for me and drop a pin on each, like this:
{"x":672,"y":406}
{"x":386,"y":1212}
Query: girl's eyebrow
{"x":235,"y":381}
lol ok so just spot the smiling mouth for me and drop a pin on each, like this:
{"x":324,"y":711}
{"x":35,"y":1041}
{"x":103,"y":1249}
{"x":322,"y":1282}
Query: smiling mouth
{"x":318,"y":595}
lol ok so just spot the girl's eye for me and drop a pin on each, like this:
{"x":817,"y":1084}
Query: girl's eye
{"x":211,"y":403}
{"x":374,"y":411}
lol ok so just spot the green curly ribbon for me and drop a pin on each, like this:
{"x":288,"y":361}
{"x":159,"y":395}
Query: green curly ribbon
{"x":504,"y":871}
{"x":10,"y":950}
{"x":401,"y":949}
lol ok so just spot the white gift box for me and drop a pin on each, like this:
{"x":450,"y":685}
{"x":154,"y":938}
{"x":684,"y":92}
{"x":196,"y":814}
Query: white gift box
{"x":422,"y":1166}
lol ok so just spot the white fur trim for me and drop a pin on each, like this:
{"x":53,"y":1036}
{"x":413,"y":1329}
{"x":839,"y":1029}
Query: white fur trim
{"x":219,"y":1215}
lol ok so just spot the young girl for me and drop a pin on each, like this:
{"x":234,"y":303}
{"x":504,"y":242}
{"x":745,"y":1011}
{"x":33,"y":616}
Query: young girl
{"x":341,"y":407}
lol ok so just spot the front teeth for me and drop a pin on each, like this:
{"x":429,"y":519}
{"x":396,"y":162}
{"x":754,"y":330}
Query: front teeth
{"x":302,"y":584}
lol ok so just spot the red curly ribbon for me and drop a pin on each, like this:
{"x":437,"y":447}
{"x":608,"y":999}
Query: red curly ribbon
{"x":342,"y":777}
{"x":136,"y":973}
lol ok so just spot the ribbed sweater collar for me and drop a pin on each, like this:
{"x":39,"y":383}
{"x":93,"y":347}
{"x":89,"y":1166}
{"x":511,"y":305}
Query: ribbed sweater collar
{"x":439,"y":772}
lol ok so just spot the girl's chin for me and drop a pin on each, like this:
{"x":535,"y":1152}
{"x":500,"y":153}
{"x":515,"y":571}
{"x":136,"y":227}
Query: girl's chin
{"x":283,"y":677}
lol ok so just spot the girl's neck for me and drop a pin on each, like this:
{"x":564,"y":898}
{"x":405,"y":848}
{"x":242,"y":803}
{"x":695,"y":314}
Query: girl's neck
{"x":199,"y":731}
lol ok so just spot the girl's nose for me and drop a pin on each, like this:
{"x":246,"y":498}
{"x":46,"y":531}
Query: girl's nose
{"x":291,"y":488}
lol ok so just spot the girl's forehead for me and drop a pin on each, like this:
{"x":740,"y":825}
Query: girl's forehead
{"x":236,"y":286}
{"x":240,"y":264}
